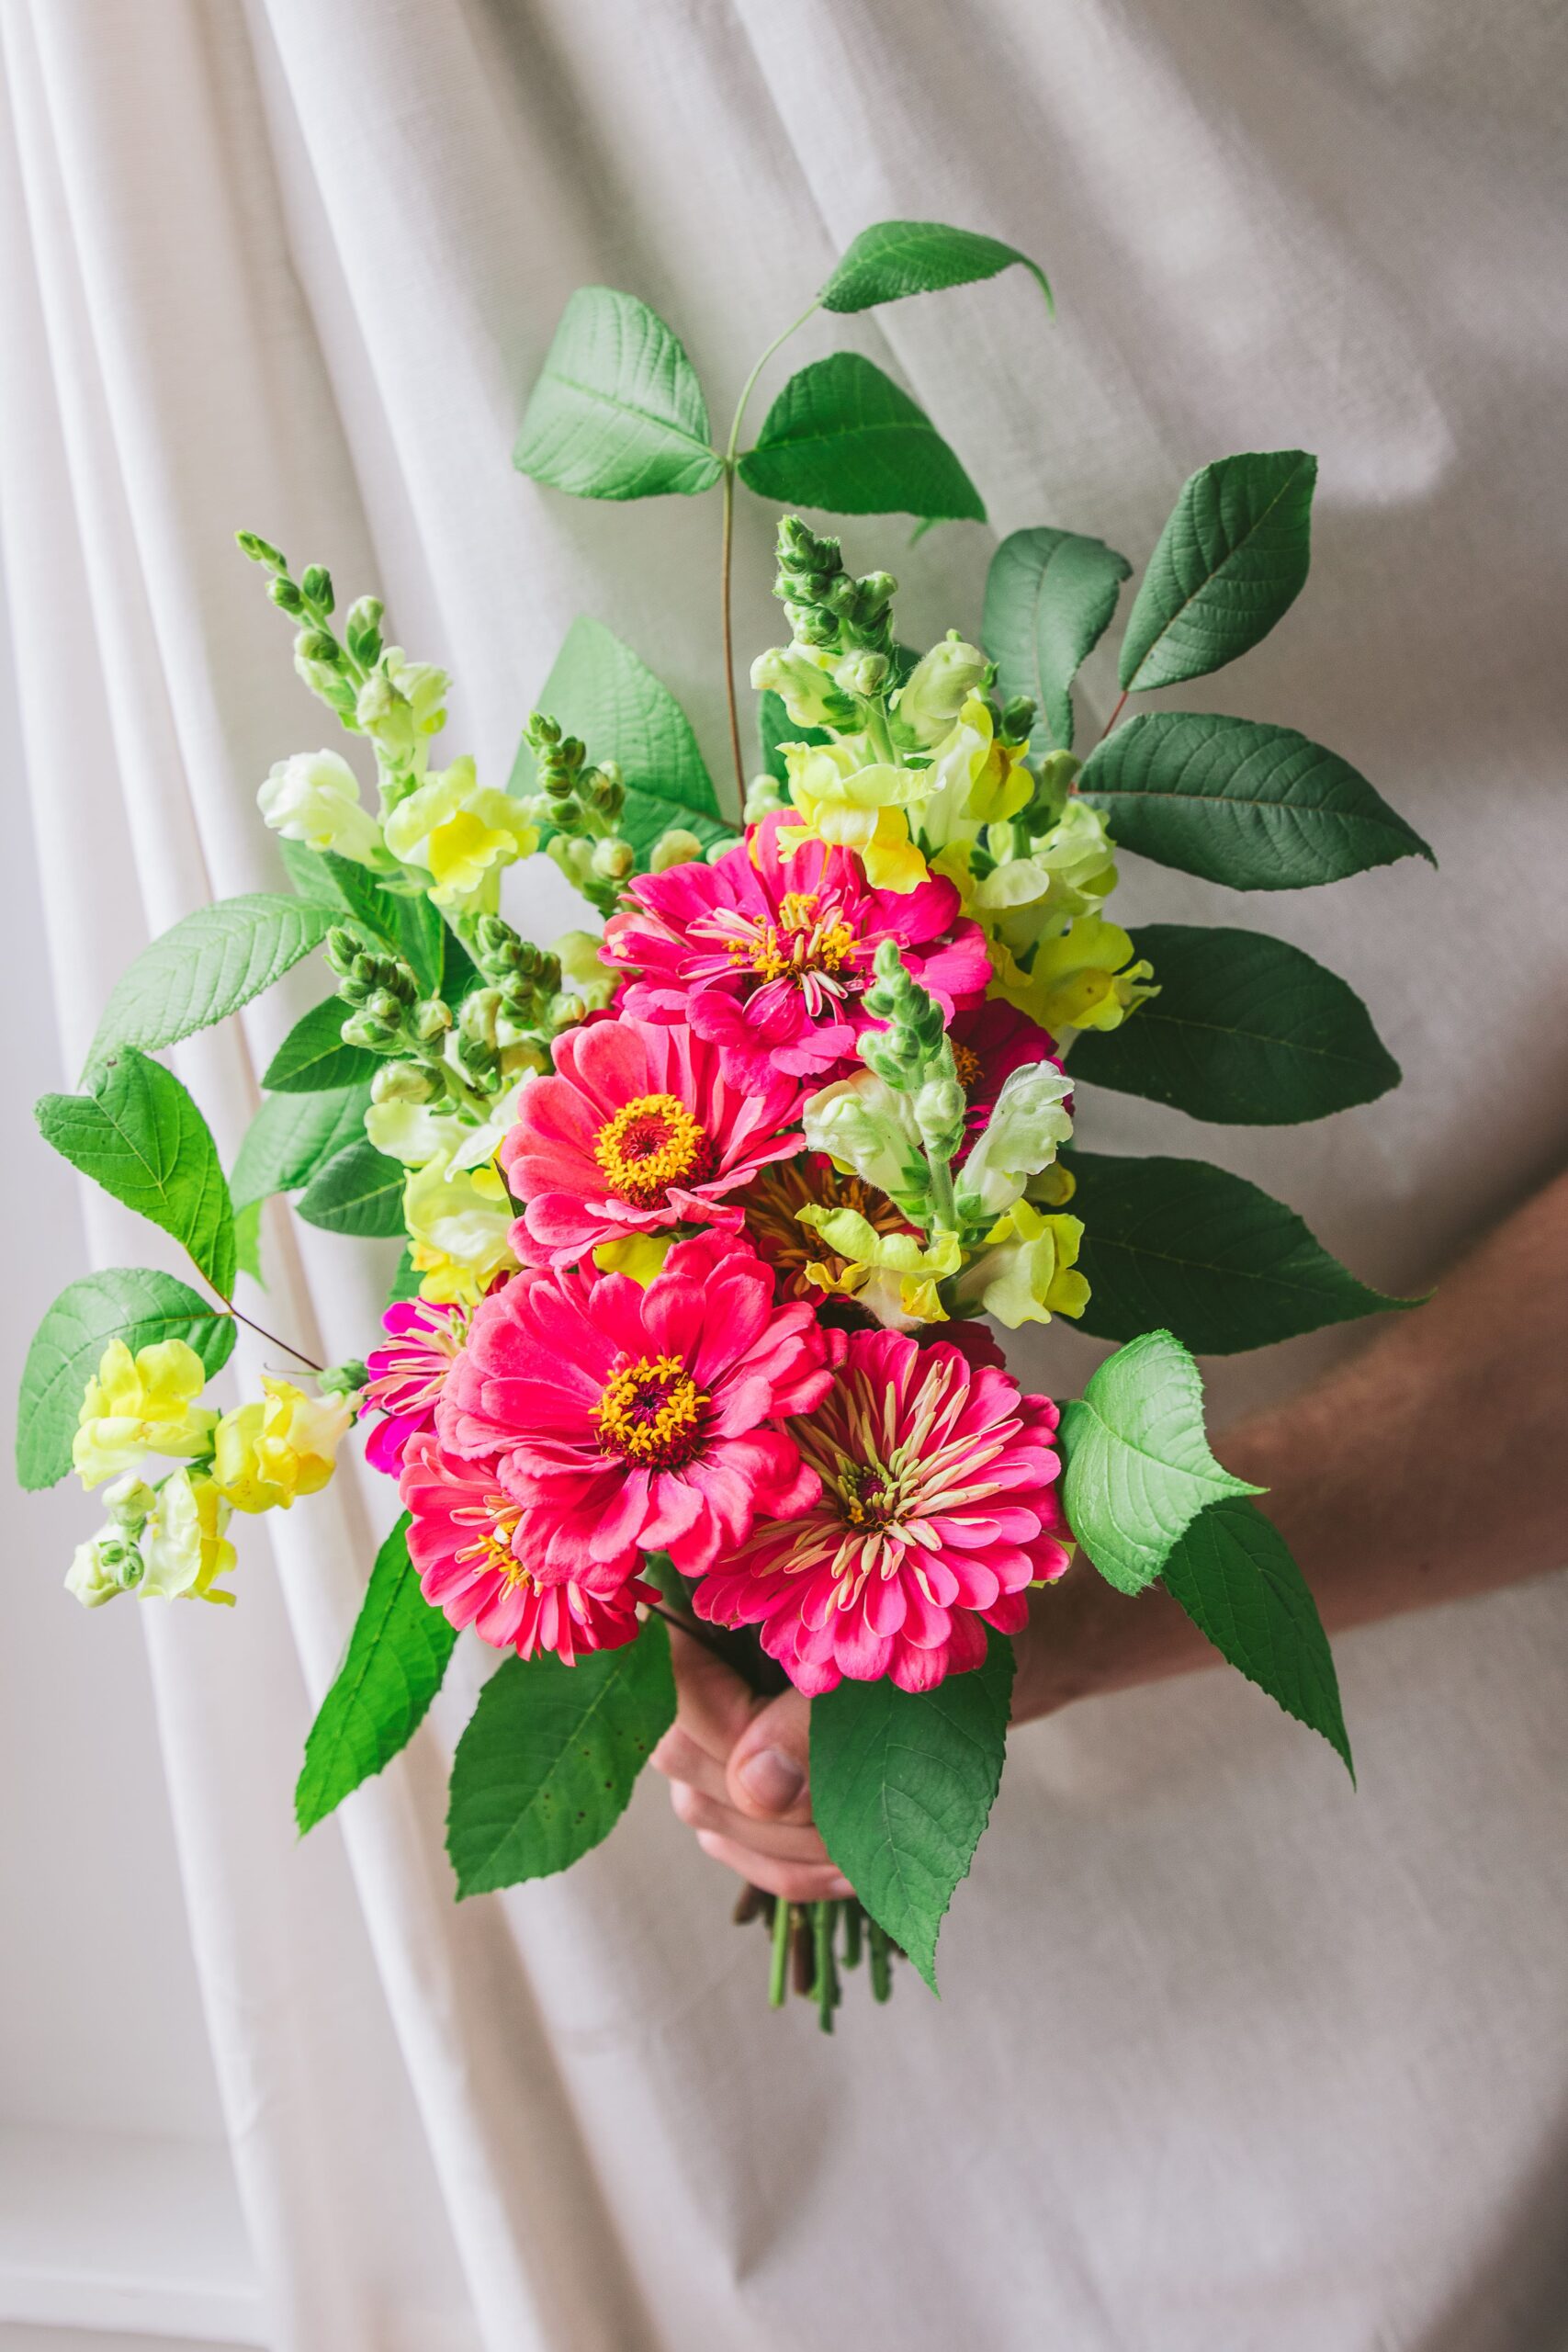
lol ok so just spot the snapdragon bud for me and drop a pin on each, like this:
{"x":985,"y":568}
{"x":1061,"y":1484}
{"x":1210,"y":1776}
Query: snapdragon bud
{"x":764,"y":795}
{"x":402,"y":1082}
{"x":285,"y":595}
{"x":676,"y":847}
{"x":613,"y":860}
{"x":129,"y":1503}
{"x":260,"y":551}
{"x":937,"y":689}
{"x":862,"y":673}
{"x":941,"y":1107}
{"x":316,"y":586}
{"x":344,"y":1379}
{"x":478,"y":1017}
{"x":1018,"y":719}
{"x":374,"y":1036}
{"x":430,"y":1020}
{"x":362,"y":629}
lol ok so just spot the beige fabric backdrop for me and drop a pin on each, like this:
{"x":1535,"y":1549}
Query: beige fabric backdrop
{"x":1229,"y":2057}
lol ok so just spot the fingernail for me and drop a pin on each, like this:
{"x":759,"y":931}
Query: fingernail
{"x":839,"y":1889}
{"x":771,"y":1780}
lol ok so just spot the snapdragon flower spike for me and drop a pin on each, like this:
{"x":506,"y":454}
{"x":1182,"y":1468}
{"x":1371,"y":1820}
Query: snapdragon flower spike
{"x":771,"y":960}
{"x":637,"y":1131}
{"x":622,"y":1420}
{"x":938,"y":1507}
{"x":467,"y":1540}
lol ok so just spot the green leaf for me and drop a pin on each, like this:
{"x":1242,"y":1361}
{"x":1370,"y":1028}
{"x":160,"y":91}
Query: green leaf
{"x":1257,"y":807}
{"x":1230,"y":563}
{"x":129,"y":1303}
{"x":1219,"y":1263}
{"x":899,"y":257}
{"x":1233,"y":1573}
{"x":547,"y":1765}
{"x":775,"y":727}
{"x":409,"y":927}
{"x":396,"y":1655}
{"x":1138,"y":1465}
{"x":291,"y":1136}
{"x":314,"y":1060}
{"x":603,"y":694}
{"x":1049,"y":598}
{"x":141,"y":1137}
{"x":618,"y":411}
{"x":358,"y":1191}
{"x":206,"y":967}
{"x":842,"y":435}
{"x":1244,"y":1030}
{"x":902,"y":1785}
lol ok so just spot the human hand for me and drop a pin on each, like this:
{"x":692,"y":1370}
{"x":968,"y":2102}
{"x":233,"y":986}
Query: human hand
{"x":737,"y":1767}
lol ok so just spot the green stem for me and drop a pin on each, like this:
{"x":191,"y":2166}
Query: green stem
{"x":779,"y":1969}
{"x":882,"y":742}
{"x":853,"y":1917}
{"x":881,"y":1961}
{"x":824,"y":1921}
{"x":727,"y":545}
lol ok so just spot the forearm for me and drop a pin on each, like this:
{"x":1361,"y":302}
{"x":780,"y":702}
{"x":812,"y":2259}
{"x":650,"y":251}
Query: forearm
{"x":1431,"y":1466}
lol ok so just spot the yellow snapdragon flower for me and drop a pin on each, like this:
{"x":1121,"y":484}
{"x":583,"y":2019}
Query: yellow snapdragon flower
{"x":1084,"y":978}
{"x":164,"y":1546}
{"x":973,"y":780}
{"x":893,"y":1275}
{"x":1026,"y":1273}
{"x":456,"y":1207}
{"x":463,"y":833}
{"x":141,"y":1405}
{"x":852,"y":803}
{"x":266,"y":1454}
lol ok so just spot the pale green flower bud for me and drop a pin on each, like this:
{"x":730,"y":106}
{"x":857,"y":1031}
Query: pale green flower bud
{"x":676,"y":847}
{"x":613,"y":860}
{"x":937,"y":689}
{"x":362,"y":630}
{"x":941,"y":1106}
{"x":804,"y":687}
{"x":403,"y":1081}
{"x":478,"y":1015}
{"x":129,"y":1502}
{"x":316,"y":586}
{"x":344,"y":1379}
{"x":102,"y":1569}
{"x":1026,"y":1126}
{"x":430,"y":1020}
{"x":862,"y":673}
{"x":386,"y":716}
{"x":260,"y":551}
{"x":869,"y":1131}
{"x":314,"y":797}
{"x":764,"y":795}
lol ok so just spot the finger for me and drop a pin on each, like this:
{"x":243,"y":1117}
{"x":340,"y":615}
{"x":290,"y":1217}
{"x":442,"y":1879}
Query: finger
{"x":715,"y":1705}
{"x":678,"y":1758}
{"x":784,"y":1844}
{"x":769,"y":1767}
{"x":795,"y":1882}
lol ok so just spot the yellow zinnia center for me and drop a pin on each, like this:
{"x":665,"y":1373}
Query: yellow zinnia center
{"x":496,"y":1519}
{"x":650,"y":1144}
{"x":651,"y":1413}
{"x":801,"y":941}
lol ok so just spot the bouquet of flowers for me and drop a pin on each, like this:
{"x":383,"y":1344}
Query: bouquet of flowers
{"x":710,"y":1214}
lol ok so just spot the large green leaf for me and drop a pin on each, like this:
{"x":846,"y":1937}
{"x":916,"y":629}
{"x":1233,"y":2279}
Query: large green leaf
{"x":1049,"y":597}
{"x":1258,"y":807}
{"x":141,"y":1137}
{"x":314,"y":1060}
{"x":409,"y":927}
{"x":842,"y":435}
{"x":898,"y":257}
{"x":902,"y":1785}
{"x":396,"y":1655}
{"x":206,"y":967}
{"x":1245,"y":1031}
{"x":547,"y":1765}
{"x":1233,"y":1573}
{"x":1138,"y":1465}
{"x":1231,"y":560}
{"x":291,"y":1136}
{"x":130,"y":1303}
{"x":600,"y":691}
{"x":358,"y":1191}
{"x":618,"y":411}
{"x":1219,"y":1263}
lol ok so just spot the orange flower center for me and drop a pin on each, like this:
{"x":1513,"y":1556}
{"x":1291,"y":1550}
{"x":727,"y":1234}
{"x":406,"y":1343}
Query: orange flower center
{"x":966,"y":1063}
{"x":651,"y":1143}
{"x":651,"y":1413}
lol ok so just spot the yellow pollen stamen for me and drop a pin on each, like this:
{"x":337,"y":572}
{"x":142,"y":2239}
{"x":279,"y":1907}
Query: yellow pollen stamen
{"x":966,"y":1063}
{"x":496,"y":1519}
{"x":651,"y":1143}
{"x":651,"y":1413}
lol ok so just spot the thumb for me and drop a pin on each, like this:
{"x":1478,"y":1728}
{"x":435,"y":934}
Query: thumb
{"x":768,"y":1764}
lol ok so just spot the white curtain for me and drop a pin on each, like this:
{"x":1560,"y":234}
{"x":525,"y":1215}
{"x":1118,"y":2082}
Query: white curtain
{"x":1229,"y":2056}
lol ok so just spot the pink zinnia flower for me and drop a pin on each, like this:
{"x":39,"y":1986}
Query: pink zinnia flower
{"x":407,"y":1377}
{"x":625,"y":1420}
{"x":769,"y":960}
{"x":938,"y":1509}
{"x":990,"y":1041}
{"x":468,"y":1541}
{"x":638,"y":1129}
